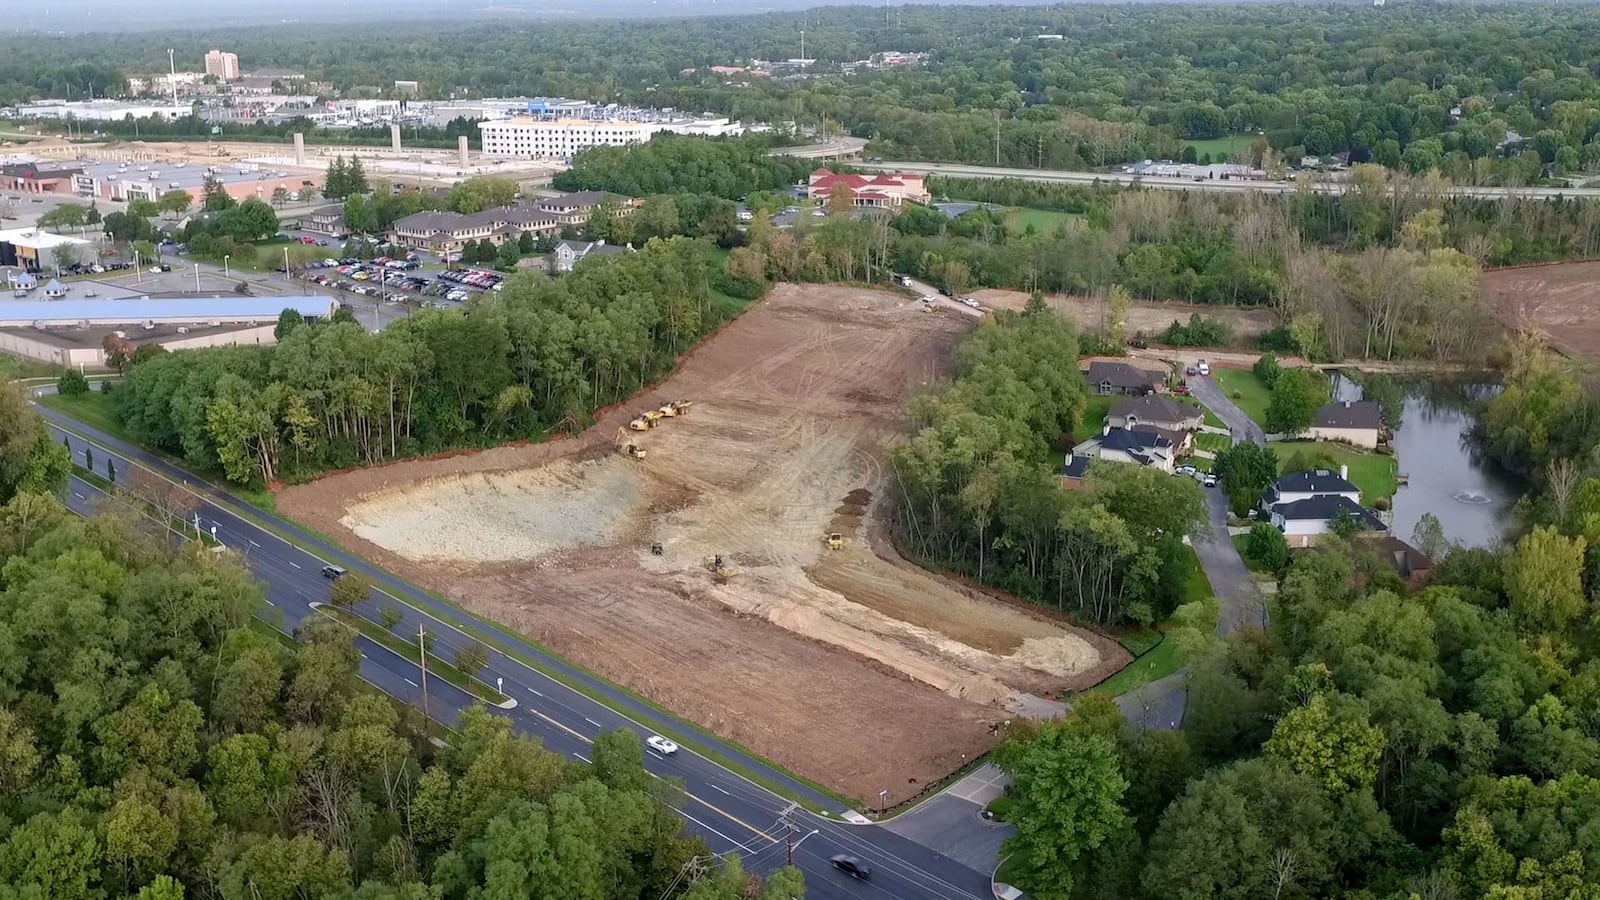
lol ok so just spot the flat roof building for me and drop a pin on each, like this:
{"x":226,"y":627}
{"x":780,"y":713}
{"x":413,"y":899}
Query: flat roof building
{"x":223,"y":65}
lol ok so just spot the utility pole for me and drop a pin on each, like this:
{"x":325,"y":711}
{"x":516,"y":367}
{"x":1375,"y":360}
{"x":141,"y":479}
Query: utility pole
{"x":788,"y":824}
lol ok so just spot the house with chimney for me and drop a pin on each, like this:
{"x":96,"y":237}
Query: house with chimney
{"x":1304,"y":505}
{"x":889,"y":190}
{"x":1355,"y":422}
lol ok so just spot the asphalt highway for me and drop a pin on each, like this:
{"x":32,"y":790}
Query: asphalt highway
{"x":730,"y":811}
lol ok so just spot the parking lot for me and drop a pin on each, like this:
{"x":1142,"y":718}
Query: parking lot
{"x":399,"y":280}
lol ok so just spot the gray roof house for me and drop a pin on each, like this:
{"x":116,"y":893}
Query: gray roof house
{"x":1122,"y":378}
{"x":1156,"y":412}
{"x":1358,"y":422}
{"x":1145,"y":448}
{"x":568,"y":253}
{"x":1303,"y":505}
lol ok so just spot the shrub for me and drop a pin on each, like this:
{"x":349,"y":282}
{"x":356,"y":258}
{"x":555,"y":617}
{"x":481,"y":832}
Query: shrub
{"x":72,"y":384}
{"x":1267,"y":369}
{"x":1267,"y":547}
{"x":1278,"y":340}
{"x":1200,"y":332}
{"x":1381,"y":504}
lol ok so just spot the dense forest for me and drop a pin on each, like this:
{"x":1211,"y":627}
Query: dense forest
{"x":1491,"y":93}
{"x":160,"y":743}
{"x":979,"y":493}
{"x":541,"y":354}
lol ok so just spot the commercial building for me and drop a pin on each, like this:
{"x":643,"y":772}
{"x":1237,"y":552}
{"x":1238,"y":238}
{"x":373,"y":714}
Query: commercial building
{"x":73,"y":332}
{"x":98,"y":110}
{"x":575,"y":208}
{"x":559,"y":138}
{"x":38,"y":177}
{"x":447,"y":232}
{"x":242,"y":181}
{"x":886,"y":191}
{"x":34,"y":250}
{"x":223,"y":65}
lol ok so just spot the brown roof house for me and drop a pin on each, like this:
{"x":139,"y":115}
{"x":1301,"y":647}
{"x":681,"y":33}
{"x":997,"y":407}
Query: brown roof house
{"x":1122,"y":378}
{"x":1154,"y":414}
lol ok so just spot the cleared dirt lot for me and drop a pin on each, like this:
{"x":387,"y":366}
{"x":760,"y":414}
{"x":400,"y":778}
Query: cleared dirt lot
{"x":1143,"y":316}
{"x":848,"y":666}
{"x":1559,"y":301}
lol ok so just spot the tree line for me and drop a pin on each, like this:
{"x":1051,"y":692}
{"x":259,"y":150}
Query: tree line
{"x":539,"y":355}
{"x":979,"y":493}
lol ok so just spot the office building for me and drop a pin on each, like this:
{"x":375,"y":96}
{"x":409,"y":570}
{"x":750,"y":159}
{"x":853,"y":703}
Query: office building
{"x":223,"y":65}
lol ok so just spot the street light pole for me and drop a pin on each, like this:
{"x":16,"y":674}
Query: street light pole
{"x":422,"y":656}
{"x":197,"y":278}
{"x":225,"y":259}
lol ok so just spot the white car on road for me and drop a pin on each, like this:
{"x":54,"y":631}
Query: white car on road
{"x":1204,"y":367}
{"x":661,"y":745}
{"x":971,"y":302}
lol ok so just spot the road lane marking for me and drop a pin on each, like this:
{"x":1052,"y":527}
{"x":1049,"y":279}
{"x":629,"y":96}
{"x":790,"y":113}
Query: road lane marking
{"x":293,"y":563}
{"x":79,"y":496}
{"x":269,"y":602}
{"x":410,"y":682}
{"x":535,"y":692}
{"x":591,"y":721}
{"x":254,"y":544}
{"x":579,"y":757}
{"x":720,"y":791}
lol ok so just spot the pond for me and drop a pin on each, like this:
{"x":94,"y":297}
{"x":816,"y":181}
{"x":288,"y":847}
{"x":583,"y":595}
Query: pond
{"x":1445,"y":475}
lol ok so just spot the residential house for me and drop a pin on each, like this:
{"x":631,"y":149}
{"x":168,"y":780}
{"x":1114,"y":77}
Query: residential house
{"x":1303,"y":520}
{"x":1303,"y":505}
{"x":1122,"y":445}
{"x":569,"y":253}
{"x":889,"y":190}
{"x":326,"y":220}
{"x":1174,"y":421}
{"x":575,"y":209}
{"x":1356,"y":422}
{"x":1412,"y":564}
{"x":1121,"y":378}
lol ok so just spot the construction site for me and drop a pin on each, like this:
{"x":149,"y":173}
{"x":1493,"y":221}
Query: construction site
{"x":720,"y":545}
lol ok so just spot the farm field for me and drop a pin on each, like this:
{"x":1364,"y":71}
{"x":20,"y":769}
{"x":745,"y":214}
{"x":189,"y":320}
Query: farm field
{"x":1557,"y":301}
{"x":851,"y":667}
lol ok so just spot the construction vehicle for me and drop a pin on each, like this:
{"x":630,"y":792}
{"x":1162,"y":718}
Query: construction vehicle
{"x":668,"y":410}
{"x":718,"y":570}
{"x":651,"y":415}
{"x":627,"y":446}
{"x":681,"y":407}
{"x":641,"y":424}
{"x":835,"y":541}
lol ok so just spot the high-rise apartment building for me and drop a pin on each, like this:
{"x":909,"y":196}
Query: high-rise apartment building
{"x":223,"y":65}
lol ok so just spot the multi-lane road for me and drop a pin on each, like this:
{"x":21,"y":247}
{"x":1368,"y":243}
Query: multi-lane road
{"x":1190,"y":184}
{"x":732,"y":812}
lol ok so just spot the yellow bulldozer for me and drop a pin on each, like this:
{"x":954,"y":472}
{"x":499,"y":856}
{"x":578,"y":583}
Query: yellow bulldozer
{"x":627,"y":446}
{"x":718,"y":570}
{"x":835,"y":541}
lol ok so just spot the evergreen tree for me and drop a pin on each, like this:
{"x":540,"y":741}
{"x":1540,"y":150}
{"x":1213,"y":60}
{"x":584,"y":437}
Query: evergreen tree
{"x":356,"y":178}
{"x":336,"y":184}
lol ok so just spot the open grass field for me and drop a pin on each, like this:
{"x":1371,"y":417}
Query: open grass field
{"x":1247,"y":392}
{"x":1042,"y":220}
{"x":1372,"y":473}
{"x":1223,"y":147}
{"x":17,"y":367}
{"x":796,"y":403}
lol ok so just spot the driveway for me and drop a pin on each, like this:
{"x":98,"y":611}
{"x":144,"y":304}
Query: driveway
{"x":1206,"y":391}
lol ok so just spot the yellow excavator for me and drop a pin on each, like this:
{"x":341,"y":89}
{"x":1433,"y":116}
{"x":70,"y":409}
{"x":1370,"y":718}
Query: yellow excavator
{"x":718,"y":570}
{"x":835,"y":541}
{"x":627,"y":446}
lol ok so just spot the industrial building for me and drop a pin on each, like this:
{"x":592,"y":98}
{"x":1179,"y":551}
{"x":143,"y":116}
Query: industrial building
{"x":98,"y":110}
{"x":73,"y":332}
{"x":563,"y":138}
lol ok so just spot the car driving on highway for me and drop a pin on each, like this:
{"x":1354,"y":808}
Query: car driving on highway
{"x":661,"y":745}
{"x":851,"y":866}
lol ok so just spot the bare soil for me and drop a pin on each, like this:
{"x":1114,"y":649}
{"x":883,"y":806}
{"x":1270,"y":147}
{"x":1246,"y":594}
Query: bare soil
{"x":848,"y":666}
{"x":1558,"y":301}
{"x":1144,"y":317}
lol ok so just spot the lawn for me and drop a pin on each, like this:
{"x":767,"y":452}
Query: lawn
{"x":92,"y":409}
{"x":1161,"y":660}
{"x":1094,"y":415}
{"x":1043,"y":221}
{"x":1372,"y":473}
{"x":1247,"y":392}
{"x":17,"y":367}
{"x":1222,"y":147}
{"x":1214,"y":443}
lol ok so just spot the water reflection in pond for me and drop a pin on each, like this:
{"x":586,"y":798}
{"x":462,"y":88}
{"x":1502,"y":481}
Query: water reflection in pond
{"x":1445,"y":474}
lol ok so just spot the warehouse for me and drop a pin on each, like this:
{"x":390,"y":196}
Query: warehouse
{"x":74,"y":333}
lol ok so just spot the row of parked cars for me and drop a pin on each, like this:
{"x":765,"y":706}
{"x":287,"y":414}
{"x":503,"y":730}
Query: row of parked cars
{"x":475,"y":278}
{"x":386,"y":275}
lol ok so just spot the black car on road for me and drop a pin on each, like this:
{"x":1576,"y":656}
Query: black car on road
{"x":851,"y":866}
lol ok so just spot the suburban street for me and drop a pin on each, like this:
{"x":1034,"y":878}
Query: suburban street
{"x":730,"y":811}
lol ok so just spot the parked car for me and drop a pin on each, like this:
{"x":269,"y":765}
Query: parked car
{"x":1210,"y":480}
{"x":1203,"y":367}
